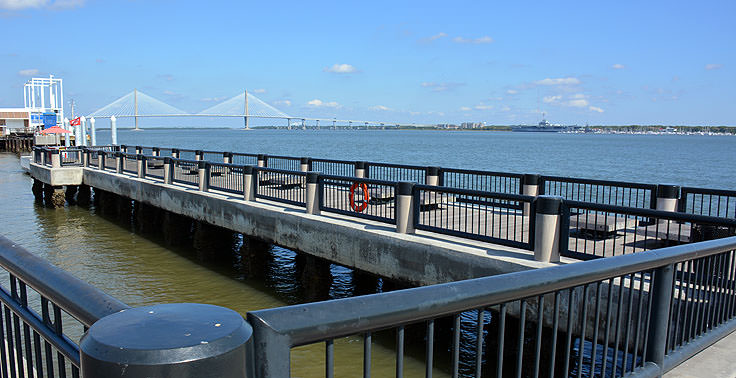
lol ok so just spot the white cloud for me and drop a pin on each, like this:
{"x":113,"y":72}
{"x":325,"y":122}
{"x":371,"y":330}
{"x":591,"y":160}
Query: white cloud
{"x":258,"y":90}
{"x":618,"y":66}
{"x":551,"y":99}
{"x":28,"y":72}
{"x":713,"y":66}
{"x":441,"y":87}
{"x":341,"y":69}
{"x":512,"y":91}
{"x":37,"y":4}
{"x":595,"y":109}
{"x":578,"y":103}
{"x":282,"y":103}
{"x":465,"y":108}
{"x":437,"y":36}
{"x":558,"y":81}
{"x":322,"y":104}
{"x":577,"y":100}
{"x":505,"y":109}
{"x":381,"y":107}
{"x":213,"y":99}
{"x":483,"y":107}
{"x":477,"y":41}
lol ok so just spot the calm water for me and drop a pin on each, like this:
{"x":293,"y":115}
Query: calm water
{"x":111,"y":254}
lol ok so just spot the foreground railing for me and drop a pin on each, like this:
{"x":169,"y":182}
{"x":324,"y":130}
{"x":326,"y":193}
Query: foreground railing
{"x":637,"y":315}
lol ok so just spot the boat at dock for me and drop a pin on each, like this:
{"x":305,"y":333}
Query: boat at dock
{"x":542,"y":127}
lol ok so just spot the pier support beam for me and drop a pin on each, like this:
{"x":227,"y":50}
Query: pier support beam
{"x":54,"y":196}
{"x":313,"y":273}
{"x":147,"y":218}
{"x":177,"y":229}
{"x":84,"y":195}
{"x":70,"y":194}
{"x":37,"y":190}
{"x":547,"y":229}
{"x":255,"y":256}
{"x":212,"y":242}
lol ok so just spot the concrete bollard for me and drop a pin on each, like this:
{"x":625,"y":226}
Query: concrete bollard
{"x":156,"y":151}
{"x":249,"y":183}
{"x":138,"y":150}
{"x":119,"y":161}
{"x":204,"y":176}
{"x":86,"y":156}
{"x":313,"y":193}
{"x":529,"y":187}
{"x":227,"y":157}
{"x":432,"y":176}
{"x":83,"y":132}
{"x":168,"y":170}
{"x":305,"y":164}
{"x":92,"y":131}
{"x":141,"y":160}
{"x":101,"y":160}
{"x":175,"y":153}
{"x":123,"y":148}
{"x":667,"y":197}
{"x":168,"y":340}
{"x":262,"y":161}
{"x":198,"y":155}
{"x":114,"y":130}
{"x":405,"y":208}
{"x":55,"y":159}
{"x":547,"y":228}
{"x":360,"y":169}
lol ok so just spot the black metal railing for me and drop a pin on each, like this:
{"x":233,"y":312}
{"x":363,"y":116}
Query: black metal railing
{"x":286,"y":163}
{"x":35,"y":297}
{"x":129,"y":163}
{"x":185,"y":172}
{"x":280,"y":185}
{"x":710,"y":202}
{"x":70,"y":157}
{"x":226,"y":177}
{"x":597,"y":230}
{"x":493,"y":217}
{"x":606,"y":192}
{"x":334,"y":167}
{"x":361,"y":198}
{"x":396,"y":172}
{"x":245,"y":159}
{"x":498,"y":182}
{"x":155,"y":166}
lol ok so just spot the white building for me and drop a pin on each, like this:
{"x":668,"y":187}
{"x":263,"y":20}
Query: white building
{"x":14,"y":120}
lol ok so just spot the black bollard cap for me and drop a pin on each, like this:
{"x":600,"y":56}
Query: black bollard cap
{"x":531,"y":179}
{"x":668,"y":191}
{"x":406,"y":188}
{"x":550,"y":205}
{"x":433,"y":171}
{"x":312,"y":177}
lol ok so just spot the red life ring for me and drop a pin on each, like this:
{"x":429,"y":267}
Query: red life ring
{"x":366,"y":197}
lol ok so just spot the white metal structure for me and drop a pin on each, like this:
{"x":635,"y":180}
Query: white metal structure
{"x":42,"y":95}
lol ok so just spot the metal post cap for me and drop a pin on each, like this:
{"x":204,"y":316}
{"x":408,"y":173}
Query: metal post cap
{"x":173,"y":340}
{"x":406,"y":188}
{"x":433,"y":171}
{"x":549,"y":205}
{"x":248,"y":169}
{"x":312,"y":177}
{"x":668,"y":191}
{"x":304,"y":160}
{"x":531,"y":179}
{"x":360,"y":165}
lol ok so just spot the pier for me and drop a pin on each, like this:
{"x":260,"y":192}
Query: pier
{"x":630,"y":271}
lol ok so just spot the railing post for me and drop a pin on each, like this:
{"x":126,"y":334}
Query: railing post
{"x":82,"y":157}
{"x":168,"y":170}
{"x":138,"y":150}
{"x":156,"y":151}
{"x":262,"y":161}
{"x":360,"y":170}
{"x":101,"y":160}
{"x":141,"y":165}
{"x":405,"y":208}
{"x":667,"y":196}
{"x":198,"y":155}
{"x":305,"y":164}
{"x":204,"y":176}
{"x":55,"y":159}
{"x":227,"y":157}
{"x":313,"y":193}
{"x":175,"y":153}
{"x":123,"y":148}
{"x":250,"y":177}
{"x":172,"y":340}
{"x":659,"y":320}
{"x":529,"y":187}
{"x":119,"y":161}
{"x":432,"y":176}
{"x":547,"y":221}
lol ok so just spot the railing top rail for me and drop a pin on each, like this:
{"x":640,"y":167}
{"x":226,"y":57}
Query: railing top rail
{"x":245,"y":154}
{"x":283,"y":157}
{"x":577,"y":180}
{"x":307,"y":323}
{"x":392,"y":165}
{"x":715,"y":192}
{"x":659,"y":214}
{"x":333,"y":161}
{"x":476,"y":193}
{"x":479,"y":172}
{"x":276,"y":170}
{"x":78,"y":298}
{"x":358,"y":179}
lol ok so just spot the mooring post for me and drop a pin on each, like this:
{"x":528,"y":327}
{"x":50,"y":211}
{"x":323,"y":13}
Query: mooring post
{"x":203,"y":169}
{"x":141,"y":160}
{"x":432,"y":176}
{"x":314,"y":194}
{"x":529,"y":187}
{"x":198,"y":155}
{"x":86,"y":155}
{"x":156,"y":151}
{"x":227,"y":157}
{"x":168,"y":340}
{"x":547,"y":223}
{"x":661,"y":296}
{"x":168,"y":170}
{"x":101,"y":160}
{"x":119,"y":161}
{"x":667,"y":197}
{"x":262,"y":160}
{"x":305,"y":164}
{"x":360,"y":169}
{"x":250,"y":180}
{"x":405,"y":208}
{"x":175,"y":153}
{"x":55,"y":159}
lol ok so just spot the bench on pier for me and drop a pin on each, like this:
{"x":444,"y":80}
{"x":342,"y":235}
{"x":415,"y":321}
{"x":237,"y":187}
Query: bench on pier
{"x":600,"y":225}
{"x":281,"y":181}
{"x":667,"y":231}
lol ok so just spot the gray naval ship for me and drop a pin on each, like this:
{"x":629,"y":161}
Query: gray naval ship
{"x":543,"y":127}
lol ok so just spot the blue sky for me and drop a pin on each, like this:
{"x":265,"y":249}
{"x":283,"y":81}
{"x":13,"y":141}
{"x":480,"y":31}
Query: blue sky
{"x":622,"y":62}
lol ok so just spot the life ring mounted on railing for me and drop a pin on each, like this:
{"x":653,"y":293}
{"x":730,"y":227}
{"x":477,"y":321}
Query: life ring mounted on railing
{"x":366,"y":197}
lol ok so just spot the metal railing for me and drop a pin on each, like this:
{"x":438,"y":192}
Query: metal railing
{"x":280,"y":185}
{"x":185,"y":172}
{"x":355,"y":197}
{"x":606,"y":192}
{"x":226,"y":177}
{"x":710,"y":202}
{"x":621,"y":316}
{"x":35,"y":296}
{"x":334,"y":167}
{"x":498,"y":182}
{"x":396,"y":172}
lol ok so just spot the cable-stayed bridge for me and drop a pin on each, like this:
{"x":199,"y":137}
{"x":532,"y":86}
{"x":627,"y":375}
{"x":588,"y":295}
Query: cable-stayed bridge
{"x":246,"y":106}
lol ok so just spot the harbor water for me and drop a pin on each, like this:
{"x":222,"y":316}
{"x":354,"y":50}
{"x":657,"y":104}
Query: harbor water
{"x":118,"y":257}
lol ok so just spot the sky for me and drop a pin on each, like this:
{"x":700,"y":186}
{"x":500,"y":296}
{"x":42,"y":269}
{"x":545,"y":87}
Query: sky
{"x":596,"y":62}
